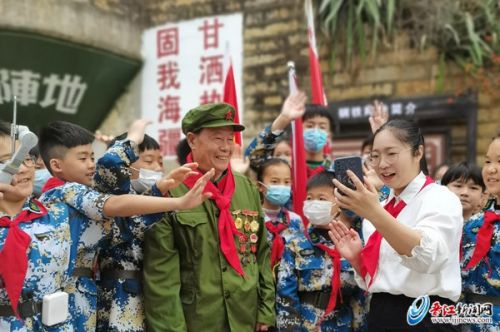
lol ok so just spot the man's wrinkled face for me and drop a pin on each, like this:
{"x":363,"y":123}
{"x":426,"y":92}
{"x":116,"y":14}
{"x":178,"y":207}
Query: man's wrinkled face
{"x":212,"y":148}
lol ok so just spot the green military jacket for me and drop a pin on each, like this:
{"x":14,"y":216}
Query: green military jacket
{"x":188,"y":284}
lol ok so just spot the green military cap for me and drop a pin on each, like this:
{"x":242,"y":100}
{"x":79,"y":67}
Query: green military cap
{"x":210,"y":116}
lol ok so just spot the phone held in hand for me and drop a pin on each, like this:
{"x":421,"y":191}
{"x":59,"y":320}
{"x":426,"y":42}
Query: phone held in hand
{"x":352,"y":163}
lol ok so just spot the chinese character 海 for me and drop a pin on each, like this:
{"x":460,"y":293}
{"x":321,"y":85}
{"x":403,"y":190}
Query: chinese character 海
{"x":169,"y":109}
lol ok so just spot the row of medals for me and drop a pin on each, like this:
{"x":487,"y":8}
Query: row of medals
{"x":247,"y":225}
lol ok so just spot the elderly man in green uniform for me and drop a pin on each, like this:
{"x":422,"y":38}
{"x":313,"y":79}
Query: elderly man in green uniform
{"x":208,"y":268}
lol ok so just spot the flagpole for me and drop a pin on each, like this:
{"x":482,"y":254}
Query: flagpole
{"x":299,"y":167}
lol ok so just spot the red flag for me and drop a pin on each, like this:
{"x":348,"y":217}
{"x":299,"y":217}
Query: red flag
{"x":231,"y":98}
{"x":299,"y":166}
{"x":317,"y":90}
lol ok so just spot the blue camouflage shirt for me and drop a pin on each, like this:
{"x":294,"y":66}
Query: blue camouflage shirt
{"x":120,"y":306}
{"x":305,"y":268}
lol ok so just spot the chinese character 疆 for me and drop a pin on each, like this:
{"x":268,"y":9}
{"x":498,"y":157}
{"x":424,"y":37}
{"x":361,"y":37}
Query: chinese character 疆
{"x":168,"y":141}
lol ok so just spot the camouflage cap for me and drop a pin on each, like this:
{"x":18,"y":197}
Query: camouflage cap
{"x":210,"y":116}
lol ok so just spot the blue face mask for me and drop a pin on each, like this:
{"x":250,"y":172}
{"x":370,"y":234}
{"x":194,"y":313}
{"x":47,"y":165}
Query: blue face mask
{"x":278,"y":195}
{"x":315,"y":139}
{"x":41,"y":177}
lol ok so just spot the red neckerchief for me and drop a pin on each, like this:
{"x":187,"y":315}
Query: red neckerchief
{"x":311,"y":172}
{"x":335,"y":256}
{"x":52,"y":183}
{"x":371,"y":252}
{"x":483,"y":239}
{"x":222,"y":195}
{"x":14,"y":255}
{"x":278,"y":245}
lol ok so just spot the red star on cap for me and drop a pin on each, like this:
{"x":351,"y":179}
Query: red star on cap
{"x":229,"y":115}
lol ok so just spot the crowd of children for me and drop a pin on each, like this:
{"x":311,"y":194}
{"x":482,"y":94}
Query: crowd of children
{"x":357,"y":262}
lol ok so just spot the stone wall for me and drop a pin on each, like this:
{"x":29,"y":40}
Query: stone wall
{"x":274,"y":33}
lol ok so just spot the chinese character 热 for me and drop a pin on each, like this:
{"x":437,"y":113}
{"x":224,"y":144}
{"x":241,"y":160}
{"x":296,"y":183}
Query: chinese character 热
{"x":168,"y":141}
{"x":25,"y":86}
{"x":211,"y":69}
{"x":71,"y":91}
{"x":211,"y":33}
{"x":213,"y":97}
{"x":167,"y":75}
{"x":167,"y":42}
{"x":169,"y":109}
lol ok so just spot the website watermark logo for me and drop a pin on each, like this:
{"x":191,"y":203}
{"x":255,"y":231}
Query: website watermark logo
{"x":418,"y":310}
{"x":460,"y":313}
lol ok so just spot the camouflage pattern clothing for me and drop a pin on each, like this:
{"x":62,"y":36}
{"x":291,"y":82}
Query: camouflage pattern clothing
{"x":48,"y":262}
{"x":305,"y":270}
{"x":120,"y":306}
{"x":88,"y":227}
{"x":290,"y":219}
{"x":261,"y":149}
{"x":484,"y":278}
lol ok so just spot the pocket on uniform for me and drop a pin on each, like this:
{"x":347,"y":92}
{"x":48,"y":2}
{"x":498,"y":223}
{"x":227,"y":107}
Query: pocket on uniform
{"x":191,"y":219}
{"x":311,"y":262}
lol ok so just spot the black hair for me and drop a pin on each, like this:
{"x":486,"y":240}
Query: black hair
{"x":323,"y":179}
{"x":182,"y":150}
{"x":59,"y":136}
{"x":367,"y":142}
{"x":148,"y":143}
{"x":408,"y":133}
{"x":463,"y":171}
{"x":268,"y":163}
{"x":35,"y":152}
{"x":313,"y":111}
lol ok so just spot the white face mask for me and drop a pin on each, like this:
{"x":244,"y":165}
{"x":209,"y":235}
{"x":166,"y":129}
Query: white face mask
{"x":318,"y":212}
{"x":147,"y":178}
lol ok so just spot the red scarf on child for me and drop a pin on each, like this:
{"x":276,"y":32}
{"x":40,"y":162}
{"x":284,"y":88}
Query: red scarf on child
{"x":52,"y":183}
{"x":222,"y":195}
{"x":278,"y":245}
{"x":483,"y":239}
{"x":14,"y":255}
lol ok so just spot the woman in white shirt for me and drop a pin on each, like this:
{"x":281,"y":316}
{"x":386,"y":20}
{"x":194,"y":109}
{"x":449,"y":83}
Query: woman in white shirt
{"x":411,"y":254}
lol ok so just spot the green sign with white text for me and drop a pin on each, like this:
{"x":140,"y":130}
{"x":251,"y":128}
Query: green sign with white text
{"x":55,"y":79}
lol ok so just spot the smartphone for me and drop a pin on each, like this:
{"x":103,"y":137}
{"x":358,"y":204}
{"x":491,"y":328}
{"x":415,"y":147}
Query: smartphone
{"x":352,"y":163}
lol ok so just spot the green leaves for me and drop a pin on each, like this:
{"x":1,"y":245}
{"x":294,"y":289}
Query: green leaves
{"x":466,"y":31}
